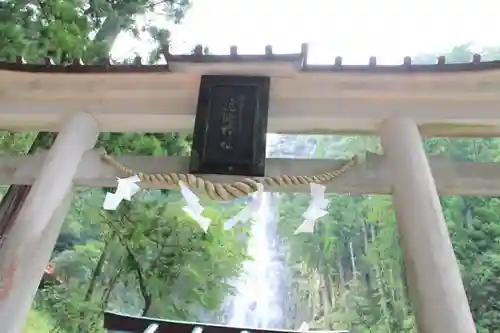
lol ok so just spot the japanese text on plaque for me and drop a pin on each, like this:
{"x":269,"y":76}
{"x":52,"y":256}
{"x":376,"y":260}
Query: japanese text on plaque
{"x":230,"y":125}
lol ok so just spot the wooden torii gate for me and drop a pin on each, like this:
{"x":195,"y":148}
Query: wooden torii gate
{"x":398,"y":103}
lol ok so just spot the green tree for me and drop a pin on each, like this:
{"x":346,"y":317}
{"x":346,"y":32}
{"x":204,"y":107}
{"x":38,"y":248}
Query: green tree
{"x":148,"y":257}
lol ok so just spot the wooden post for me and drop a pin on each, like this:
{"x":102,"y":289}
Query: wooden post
{"x":434,"y":280}
{"x":30,"y":241}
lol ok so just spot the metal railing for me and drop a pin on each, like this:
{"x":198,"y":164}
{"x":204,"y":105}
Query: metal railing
{"x":152,"y":328}
{"x":121,"y":323}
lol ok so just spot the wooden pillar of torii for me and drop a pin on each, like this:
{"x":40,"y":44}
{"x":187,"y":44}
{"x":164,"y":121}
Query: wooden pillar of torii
{"x":29,"y":243}
{"x":433,"y":275}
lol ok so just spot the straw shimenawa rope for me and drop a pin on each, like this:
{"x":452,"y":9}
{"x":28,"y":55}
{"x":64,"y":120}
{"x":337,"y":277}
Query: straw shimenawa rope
{"x":228,"y":191}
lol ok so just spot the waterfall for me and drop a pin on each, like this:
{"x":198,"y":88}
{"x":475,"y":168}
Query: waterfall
{"x":263,"y":296}
{"x":260,"y":299}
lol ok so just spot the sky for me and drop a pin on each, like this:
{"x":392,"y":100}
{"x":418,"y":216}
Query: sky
{"x":353,"y":29}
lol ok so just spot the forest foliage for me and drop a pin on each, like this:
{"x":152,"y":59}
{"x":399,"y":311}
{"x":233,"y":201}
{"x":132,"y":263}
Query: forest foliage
{"x":149,"y":258}
{"x":349,"y":274}
{"x":146,"y":258}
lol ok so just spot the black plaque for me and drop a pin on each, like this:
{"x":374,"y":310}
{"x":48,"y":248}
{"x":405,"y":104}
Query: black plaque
{"x":231,"y":125}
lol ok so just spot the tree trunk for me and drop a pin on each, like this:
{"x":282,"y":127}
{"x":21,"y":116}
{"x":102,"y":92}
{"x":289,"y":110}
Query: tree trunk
{"x":326,"y":302}
{"x":353,"y":261}
{"x":143,"y":287}
{"x":109,"y":30}
{"x":97,"y":272}
{"x":13,"y":200}
{"x":106,"y":294}
{"x":340,"y":267}
{"x":367,"y":268}
{"x":328,"y":286}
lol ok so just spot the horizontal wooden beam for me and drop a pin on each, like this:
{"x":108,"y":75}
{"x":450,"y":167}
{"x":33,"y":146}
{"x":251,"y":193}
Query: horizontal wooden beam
{"x":370,"y":177}
{"x":444,"y":104}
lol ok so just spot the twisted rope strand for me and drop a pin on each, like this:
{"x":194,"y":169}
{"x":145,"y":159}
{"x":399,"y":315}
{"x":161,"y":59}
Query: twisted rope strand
{"x":228,"y":191}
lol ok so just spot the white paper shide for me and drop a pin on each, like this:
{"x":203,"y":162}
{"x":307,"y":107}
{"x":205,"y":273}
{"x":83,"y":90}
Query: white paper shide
{"x":193,"y":207}
{"x":251,"y":211}
{"x":315,"y":210}
{"x":126,"y":188}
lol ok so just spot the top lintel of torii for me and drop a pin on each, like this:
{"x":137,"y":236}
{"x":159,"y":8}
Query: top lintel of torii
{"x":460,"y":100}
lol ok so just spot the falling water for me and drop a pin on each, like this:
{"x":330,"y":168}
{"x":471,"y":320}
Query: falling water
{"x":263,"y":298}
{"x":261,"y":290}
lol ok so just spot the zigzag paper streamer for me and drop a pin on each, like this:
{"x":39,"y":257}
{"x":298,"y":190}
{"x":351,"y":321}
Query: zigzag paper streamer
{"x":251,"y":210}
{"x":126,"y":188}
{"x":193,"y":207}
{"x":315,"y":210}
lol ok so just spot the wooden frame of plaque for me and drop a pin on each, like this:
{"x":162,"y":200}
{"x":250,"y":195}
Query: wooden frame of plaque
{"x":231,"y":126}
